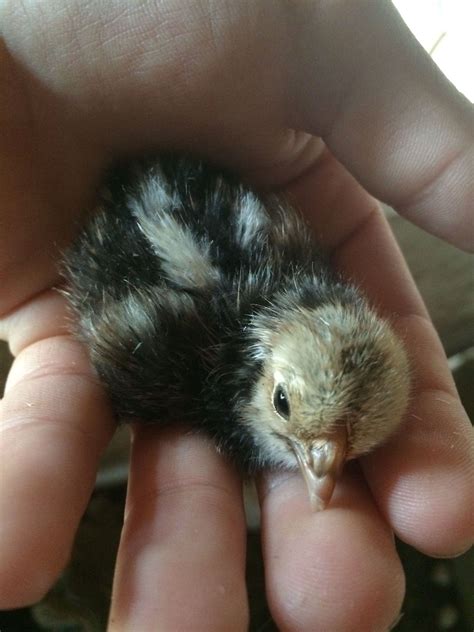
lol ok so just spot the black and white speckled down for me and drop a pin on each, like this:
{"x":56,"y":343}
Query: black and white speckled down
{"x":167,"y":280}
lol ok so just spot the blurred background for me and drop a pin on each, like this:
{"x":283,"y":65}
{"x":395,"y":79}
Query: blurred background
{"x":439,"y":592}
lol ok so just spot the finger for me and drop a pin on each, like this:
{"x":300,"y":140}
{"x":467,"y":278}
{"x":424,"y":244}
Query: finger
{"x":414,"y":475}
{"x":181,"y":560}
{"x":54,"y":422}
{"x":46,"y":316}
{"x":423,"y":478}
{"x":363,"y":83}
{"x":334,"y":570}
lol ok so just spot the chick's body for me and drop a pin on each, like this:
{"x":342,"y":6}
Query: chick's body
{"x":201,"y":302}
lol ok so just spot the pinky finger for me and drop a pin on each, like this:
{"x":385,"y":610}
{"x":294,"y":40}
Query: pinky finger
{"x":54,"y":424}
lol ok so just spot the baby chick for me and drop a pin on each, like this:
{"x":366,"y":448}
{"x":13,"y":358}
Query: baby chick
{"x":203,"y":302}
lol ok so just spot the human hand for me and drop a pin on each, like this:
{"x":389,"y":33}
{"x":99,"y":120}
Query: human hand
{"x":86,"y":81}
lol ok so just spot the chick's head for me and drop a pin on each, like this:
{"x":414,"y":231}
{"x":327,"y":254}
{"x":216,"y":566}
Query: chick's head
{"x":334,"y":384}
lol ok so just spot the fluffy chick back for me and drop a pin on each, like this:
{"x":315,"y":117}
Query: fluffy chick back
{"x":165,"y":277}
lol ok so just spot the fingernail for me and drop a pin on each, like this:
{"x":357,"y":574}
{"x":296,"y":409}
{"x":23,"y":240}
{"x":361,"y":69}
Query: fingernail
{"x":395,"y":622}
{"x":450,"y":556}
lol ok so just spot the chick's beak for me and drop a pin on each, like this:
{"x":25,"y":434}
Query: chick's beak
{"x":321,"y":462}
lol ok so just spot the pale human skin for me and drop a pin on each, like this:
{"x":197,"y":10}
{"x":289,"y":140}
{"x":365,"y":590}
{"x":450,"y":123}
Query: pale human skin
{"x":83,"y":82}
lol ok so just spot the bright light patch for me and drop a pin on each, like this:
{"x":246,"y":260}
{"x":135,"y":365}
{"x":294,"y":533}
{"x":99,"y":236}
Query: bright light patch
{"x":445,"y":29}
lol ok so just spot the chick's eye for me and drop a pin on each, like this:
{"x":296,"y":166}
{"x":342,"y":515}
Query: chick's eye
{"x":281,"y":403}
